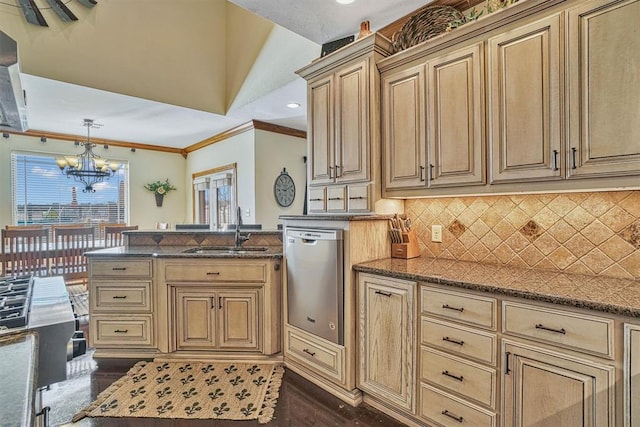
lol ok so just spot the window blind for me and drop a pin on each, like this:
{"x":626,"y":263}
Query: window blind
{"x":41,"y":194}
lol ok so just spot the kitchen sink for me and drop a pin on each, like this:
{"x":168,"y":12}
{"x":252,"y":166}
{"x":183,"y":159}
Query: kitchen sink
{"x":224,"y":249}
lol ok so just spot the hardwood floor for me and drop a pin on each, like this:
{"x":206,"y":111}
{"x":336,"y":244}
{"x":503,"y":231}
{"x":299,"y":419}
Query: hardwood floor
{"x":300,"y":403}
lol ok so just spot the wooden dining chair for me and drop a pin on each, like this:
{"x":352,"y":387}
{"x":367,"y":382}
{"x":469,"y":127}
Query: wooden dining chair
{"x":103,"y":225}
{"x":71,"y":243}
{"x":113,"y":235}
{"x":25,"y":252}
{"x":24,"y":227}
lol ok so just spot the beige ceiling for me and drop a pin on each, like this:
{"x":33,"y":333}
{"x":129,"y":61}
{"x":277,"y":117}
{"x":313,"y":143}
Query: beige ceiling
{"x":174,"y":72}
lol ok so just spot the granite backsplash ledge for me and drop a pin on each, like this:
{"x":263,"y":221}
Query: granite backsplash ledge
{"x":591,"y":233}
{"x":201,"y":238}
{"x":606,"y":294}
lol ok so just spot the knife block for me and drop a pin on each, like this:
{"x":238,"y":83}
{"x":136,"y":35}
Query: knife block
{"x":409,"y":247}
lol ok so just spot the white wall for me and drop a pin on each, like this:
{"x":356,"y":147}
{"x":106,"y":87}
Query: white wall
{"x":145,"y":166}
{"x":238,"y":149}
{"x":274,"y":152}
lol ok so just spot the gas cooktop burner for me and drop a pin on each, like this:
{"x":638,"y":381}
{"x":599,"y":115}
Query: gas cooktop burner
{"x":15,"y":294}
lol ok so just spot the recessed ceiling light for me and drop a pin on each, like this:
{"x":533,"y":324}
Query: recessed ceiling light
{"x":293,"y":105}
{"x":345,"y":1}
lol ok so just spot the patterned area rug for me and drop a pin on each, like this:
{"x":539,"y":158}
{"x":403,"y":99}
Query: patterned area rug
{"x":231,"y":391}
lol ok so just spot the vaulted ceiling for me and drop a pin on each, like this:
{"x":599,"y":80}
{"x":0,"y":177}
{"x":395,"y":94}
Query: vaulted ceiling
{"x":174,"y":72}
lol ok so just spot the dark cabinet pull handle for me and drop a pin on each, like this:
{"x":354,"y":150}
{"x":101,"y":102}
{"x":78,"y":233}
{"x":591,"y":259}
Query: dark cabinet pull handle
{"x":421,"y":173}
{"x":452,"y":416}
{"x":337,"y":169}
{"x":555,"y":160}
{"x":573,"y":157}
{"x":448,"y":307}
{"x":455,"y":377}
{"x":213,"y":273}
{"x":213,"y":304}
{"x":121,"y":331}
{"x":119,"y":297}
{"x":310,"y":353}
{"x":357,"y":198}
{"x":44,"y":413}
{"x":451,"y":340}
{"x":431,"y":172}
{"x":557,"y":331}
{"x":220,"y":303}
{"x":330,"y":172}
{"x":386,"y":294}
{"x":315,"y":200}
{"x":335,"y":198}
{"x":311,"y":320}
{"x":507,"y":369}
{"x":119,"y":268}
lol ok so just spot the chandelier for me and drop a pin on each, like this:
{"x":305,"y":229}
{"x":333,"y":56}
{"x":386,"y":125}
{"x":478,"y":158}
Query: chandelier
{"x":87,"y":168}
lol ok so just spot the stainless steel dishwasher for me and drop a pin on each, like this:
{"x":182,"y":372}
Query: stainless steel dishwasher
{"x":314,"y":281}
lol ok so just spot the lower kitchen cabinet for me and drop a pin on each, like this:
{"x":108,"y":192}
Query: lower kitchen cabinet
{"x":631,"y":375}
{"x":387,"y":339}
{"x":224,"y":319}
{"x":223,"y":305}
{"x":547,"y":388}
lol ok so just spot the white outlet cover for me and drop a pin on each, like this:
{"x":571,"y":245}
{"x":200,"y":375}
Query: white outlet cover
{"x":436,"y":233}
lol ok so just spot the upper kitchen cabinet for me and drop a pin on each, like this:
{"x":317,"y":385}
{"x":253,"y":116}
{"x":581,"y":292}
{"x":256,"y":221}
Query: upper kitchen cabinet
{"x":532,"y":97}
{"x":604,"y":108}
{"x":455,"y":119}
{"x":524,"y":102}
{"x":343,"y":118}
{"x":403,"y":124}
{"x":433,"y":122}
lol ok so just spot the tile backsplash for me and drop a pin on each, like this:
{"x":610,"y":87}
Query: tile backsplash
{"x":589,"y":233}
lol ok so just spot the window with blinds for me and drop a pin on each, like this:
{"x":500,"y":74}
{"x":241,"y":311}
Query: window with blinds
{"x":41,"y":194}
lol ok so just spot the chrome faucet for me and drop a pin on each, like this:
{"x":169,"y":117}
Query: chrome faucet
{"x":238,"y":238}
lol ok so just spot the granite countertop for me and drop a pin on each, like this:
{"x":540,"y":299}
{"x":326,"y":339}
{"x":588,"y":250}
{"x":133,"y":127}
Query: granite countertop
{"x":178,"y":252}
{"x":606,"y":294}
{"x":337,"y":217}
{"x":18,"y":359}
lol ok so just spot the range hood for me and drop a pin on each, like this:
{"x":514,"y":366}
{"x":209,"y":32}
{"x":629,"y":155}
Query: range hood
{"x":13,"y":109}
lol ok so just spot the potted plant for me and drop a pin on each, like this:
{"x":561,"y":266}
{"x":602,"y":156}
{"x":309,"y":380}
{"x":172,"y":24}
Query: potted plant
{"x":159,"y":189}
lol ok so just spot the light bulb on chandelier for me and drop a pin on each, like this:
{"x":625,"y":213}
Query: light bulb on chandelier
{"x":87,"y":168}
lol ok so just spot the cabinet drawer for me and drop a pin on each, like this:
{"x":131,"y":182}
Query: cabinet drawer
{"x":459,"y":340}
{"x":317,"y":199}
{"x":122,"y":331}
{"x":465,"y":308}
{"x":217,"y":271}
{"x":326,"y":357}
{"x":121,"y":268}
{"x":126,"y":296}
{"x":469,"y":379}
{"x":337,"y":198}
{"x":579,"y":332}
{"x":359,"y":198}
{"x":449,"y":411}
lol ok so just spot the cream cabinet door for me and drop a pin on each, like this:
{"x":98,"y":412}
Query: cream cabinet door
{"x":195,"y":318}
{"x":544,"y":388}
{"x":604,"y":110}
{"x":455,"y":125}
{"x":525,"y":120}
{"x":321,"y":138}
{"x":403,"y":122}
{"x":238,"y":319}
{"x":387,"y":339}
{"x":631,"y":375}
{"x":352,"y":124}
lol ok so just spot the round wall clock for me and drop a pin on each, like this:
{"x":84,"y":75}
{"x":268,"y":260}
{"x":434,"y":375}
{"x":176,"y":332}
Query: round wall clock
{"x":284,"y":189}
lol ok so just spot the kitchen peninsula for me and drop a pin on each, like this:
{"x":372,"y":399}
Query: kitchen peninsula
{"x":187,"y":294}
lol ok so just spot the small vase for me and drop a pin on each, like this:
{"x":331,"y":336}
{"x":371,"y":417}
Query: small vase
{"x":365,"y":29}
{"x":159,"y":198}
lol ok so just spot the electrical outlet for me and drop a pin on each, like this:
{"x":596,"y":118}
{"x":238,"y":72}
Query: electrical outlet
{"x":436,"y":233}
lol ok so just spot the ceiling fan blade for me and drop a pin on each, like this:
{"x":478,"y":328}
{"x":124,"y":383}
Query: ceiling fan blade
{"x":31,"y":13}
{"x":62,"y":10}
{"x":88,"y":3}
